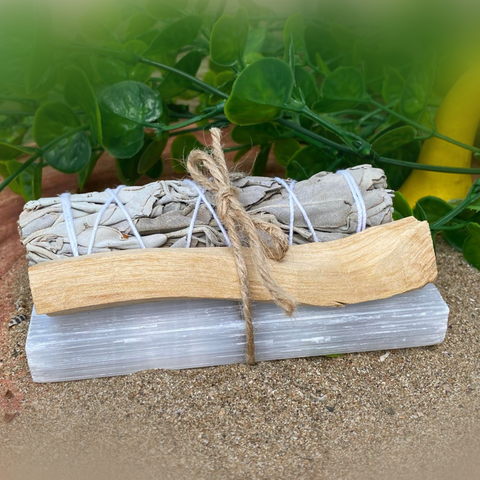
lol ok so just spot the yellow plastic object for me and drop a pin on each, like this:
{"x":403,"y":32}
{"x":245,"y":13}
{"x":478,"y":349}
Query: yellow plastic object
{"x":458,"y":118}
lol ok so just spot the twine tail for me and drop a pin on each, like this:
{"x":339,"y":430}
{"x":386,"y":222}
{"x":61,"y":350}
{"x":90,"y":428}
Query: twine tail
{"x":231,"y":212}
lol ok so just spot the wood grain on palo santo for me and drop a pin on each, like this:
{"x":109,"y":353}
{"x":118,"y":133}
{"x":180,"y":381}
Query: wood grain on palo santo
{"x":378,"y":263}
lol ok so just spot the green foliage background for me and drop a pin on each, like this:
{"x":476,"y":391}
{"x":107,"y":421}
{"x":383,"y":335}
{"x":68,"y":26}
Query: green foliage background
{"x":321,"y":89}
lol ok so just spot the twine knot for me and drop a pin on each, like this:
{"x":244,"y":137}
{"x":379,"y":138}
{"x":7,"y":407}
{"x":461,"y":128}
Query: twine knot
{"x":211,"y":172}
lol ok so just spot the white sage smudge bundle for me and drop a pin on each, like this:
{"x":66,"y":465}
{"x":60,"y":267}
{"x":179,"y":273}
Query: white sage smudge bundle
{"x":162,"y":212}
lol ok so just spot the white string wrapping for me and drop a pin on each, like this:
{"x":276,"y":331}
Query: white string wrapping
{"x":358,"y":199}
{"x":69,"y":224}
{"x":202,"y":197}
{"x":292,"y":214}
{"x":127,"y":215}
{"x":98,"y":220}
{"x":293,"y":198}
{"x":113,"y":197}
{"x":192,"y":222}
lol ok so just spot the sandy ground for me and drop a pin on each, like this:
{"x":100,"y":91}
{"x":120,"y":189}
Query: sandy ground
{"x":414,"y":415}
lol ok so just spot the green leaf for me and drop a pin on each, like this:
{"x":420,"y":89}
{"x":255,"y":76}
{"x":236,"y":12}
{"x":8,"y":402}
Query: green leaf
{"x":155,"y":171}
{"x":434,"y":208}
{"x":79,"y":93}
{"x":173,"y":85}
{"x":181,"y":148}
{"x":343,"y":88}
{"x":124,"y":108}
{"x":469,"y":211}
{"x":255,"y":40}
{"x":127,"y":168}
{"x":23,"y":184}
{"x":13,"y":135}
{"x":456,"y":238}
{"x":112,"y":70}
{"x":41,"y":56}
{"x":419,"y":212}
{"x":255,"y":134}
{"x":148,"y":37}
{"x":289,"y":57}
{"x":322,"y":65}
{"x":100,"y":19}
{"x":307,"y":162}
{"x":471,"y":247}
{"x":223,"y":77}
{"x":152,"y":154}
{"x":6,"y":170}
{"x":260,"y":164}
{"x":53,"y":120}
{"x":294,"y":32}
{"x":139,"y":23}
{"x":284,"y":149}
{"x":273,"y":45}
{"x":10,"y":152}
{"x":176,"y":35}
{"x":138,"y":72}
{"x":393,"y":140}
{"x":229,"y":38}
{"x":306,"y":83}
{"x":260,"y":92}
{"x":416,"y":92}
{"x":163,"y":9}
{"x":393,"y":85}
{"x":401,"y":207}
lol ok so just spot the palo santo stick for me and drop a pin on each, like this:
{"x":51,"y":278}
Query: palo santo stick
{"x":378,"y":263}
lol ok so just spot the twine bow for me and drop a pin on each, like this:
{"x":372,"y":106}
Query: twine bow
{"x":210,"y":171}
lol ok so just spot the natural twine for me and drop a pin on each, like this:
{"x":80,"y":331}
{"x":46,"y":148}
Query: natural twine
{"x":210,"y":171}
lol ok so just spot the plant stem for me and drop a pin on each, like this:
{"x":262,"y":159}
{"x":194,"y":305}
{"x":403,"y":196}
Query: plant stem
{"x":204,"y":86}
{"x":358,"y":144}
{"x":237,"y":147}
{"x":319,"y":141}
{"x":430,"y":168}
{"x":423,"y":128}
{"x":198,"y":129}
{"x":371,"y":114}
{"x":470,"y":198}
{"x":450,"y":227}
{"x":218,"y":109}
{"x":18,"y":172}
{"x":312,"y":137}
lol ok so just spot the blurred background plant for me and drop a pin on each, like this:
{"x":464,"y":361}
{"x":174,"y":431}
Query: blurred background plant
{"x":319,"y":85}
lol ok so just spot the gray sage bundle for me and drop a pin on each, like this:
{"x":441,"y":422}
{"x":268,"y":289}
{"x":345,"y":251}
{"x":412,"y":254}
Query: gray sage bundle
{"x":162,"y":212}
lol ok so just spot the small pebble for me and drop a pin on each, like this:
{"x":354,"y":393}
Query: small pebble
{"x":16,"y":320}
{"x":8,"y":417}
{"x":384,"y":356}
